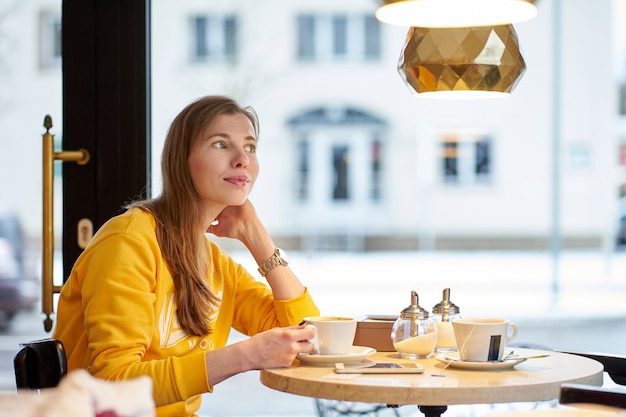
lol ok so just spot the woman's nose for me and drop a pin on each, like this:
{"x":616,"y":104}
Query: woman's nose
{"x":241,"y":159}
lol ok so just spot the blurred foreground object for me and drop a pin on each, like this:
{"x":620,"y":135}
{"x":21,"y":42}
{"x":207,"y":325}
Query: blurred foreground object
{"x":81,"y":395}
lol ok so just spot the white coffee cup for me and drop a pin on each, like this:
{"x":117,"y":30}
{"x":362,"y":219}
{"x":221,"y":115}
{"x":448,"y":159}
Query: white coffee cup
{"x":333,"y":335}
{"x":483,"y":339}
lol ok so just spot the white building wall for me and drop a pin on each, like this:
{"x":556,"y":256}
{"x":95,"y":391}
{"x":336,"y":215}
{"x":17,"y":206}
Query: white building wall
{"x":589,"y":119}
{"x":417,"y":203}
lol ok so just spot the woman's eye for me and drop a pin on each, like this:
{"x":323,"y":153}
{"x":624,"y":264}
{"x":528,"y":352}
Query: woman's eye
{"x":219,"y":145}
{"x":251,"y":148}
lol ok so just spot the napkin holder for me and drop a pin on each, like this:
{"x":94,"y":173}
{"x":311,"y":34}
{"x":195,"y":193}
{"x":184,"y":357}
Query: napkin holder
{"x":375,"y":331}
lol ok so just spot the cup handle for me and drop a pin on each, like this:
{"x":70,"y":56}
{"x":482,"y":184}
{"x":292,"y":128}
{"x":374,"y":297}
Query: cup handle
{"x":314,"y":340}
{"x":514,"y":330}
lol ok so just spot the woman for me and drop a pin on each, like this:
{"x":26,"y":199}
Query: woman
{"x":151,"y":295}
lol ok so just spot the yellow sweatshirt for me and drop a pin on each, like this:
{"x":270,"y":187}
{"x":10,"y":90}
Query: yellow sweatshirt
{"x":117,"y":315}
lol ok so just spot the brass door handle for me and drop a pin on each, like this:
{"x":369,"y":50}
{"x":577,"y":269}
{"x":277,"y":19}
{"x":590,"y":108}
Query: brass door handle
{"x":81,"y":157}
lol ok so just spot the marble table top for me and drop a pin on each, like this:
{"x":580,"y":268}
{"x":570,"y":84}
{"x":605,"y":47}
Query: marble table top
{"x":439,"y":385}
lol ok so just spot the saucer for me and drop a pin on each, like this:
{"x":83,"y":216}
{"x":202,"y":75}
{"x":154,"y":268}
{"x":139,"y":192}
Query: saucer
{"x":455,"y":362}
{"x":357,"y":354}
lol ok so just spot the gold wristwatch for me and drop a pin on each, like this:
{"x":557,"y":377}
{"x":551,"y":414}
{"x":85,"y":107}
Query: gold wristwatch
{"x":278,"y":258}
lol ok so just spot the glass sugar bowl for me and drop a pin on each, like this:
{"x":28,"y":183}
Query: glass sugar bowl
{"x":444,"y":313}
{"x":414,"y":333}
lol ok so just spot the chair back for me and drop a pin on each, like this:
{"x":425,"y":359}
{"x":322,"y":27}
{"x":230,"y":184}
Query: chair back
{"x":40,"y":364}
{"x":585,"y":394}
{"x":614,"y":365}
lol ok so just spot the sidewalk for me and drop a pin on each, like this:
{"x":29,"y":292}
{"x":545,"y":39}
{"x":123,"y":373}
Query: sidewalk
{"x":514,"y":285}
{"x":587,"y":314}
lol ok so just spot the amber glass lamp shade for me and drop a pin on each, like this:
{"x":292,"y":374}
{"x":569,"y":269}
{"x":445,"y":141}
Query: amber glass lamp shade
{"x":465,"y":62}
{"x":455,"y":13}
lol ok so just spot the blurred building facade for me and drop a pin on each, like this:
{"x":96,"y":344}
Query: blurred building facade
{"x":350,"y":159}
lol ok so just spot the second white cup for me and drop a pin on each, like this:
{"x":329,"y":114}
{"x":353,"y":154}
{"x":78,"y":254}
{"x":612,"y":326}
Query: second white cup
{"x":333,"y":335}
{"x":483,"y":339}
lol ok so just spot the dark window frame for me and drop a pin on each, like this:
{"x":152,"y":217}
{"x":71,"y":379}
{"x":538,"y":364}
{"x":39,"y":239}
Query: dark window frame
{"x":106,"y":110}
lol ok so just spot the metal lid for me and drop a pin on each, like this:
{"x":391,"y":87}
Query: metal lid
{"x":414,"y":311}
{"x":446,"y":307}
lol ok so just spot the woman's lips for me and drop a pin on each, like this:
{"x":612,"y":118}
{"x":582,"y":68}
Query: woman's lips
{"x":240,"y":180}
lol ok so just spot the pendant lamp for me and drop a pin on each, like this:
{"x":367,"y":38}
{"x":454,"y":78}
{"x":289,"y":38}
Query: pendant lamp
{"x":464,"y":62}
{"x":455,"y":13}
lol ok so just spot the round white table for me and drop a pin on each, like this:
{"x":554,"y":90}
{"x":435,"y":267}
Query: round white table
{"x":440,"y":386}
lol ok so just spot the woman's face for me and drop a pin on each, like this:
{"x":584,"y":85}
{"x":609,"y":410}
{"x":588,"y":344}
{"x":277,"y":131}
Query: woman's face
{"x":223,"y":162}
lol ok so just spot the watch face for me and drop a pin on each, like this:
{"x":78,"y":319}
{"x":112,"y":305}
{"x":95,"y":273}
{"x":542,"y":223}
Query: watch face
{"x":282,"y":254}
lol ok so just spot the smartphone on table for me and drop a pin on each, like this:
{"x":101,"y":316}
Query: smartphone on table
{"x":382,"y":368}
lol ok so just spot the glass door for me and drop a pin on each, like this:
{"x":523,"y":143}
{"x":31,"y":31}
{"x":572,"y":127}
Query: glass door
{"x":30,"y":89}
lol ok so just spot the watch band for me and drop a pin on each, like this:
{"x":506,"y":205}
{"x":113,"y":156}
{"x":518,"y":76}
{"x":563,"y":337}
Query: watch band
{"x":277,"y":259}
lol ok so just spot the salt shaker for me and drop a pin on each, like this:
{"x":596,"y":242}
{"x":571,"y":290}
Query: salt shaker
{"x":444,"y":313}
{"x":414,"y":334}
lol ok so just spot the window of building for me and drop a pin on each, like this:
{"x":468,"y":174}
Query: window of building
{"x":341,"y":172}
{"x":213,"y":38}
{"x":342,"y":149}
{"x":306,"y":35}
{"x":49,"y":40}
{"x":338,"y":37}
{"x":466,"y":158}
{"x":372,"y":38}
{"x":376,"y":182}
{"x":303,"y":169}
{"x":579,"y":155}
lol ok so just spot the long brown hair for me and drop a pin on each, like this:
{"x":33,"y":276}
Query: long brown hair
{"x":178,"y":218}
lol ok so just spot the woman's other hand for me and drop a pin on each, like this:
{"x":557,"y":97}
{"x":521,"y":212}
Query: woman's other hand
{"x":234,"y":221}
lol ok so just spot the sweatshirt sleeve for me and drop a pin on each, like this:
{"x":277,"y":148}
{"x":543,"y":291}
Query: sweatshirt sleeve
{"x":250,"y":302}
